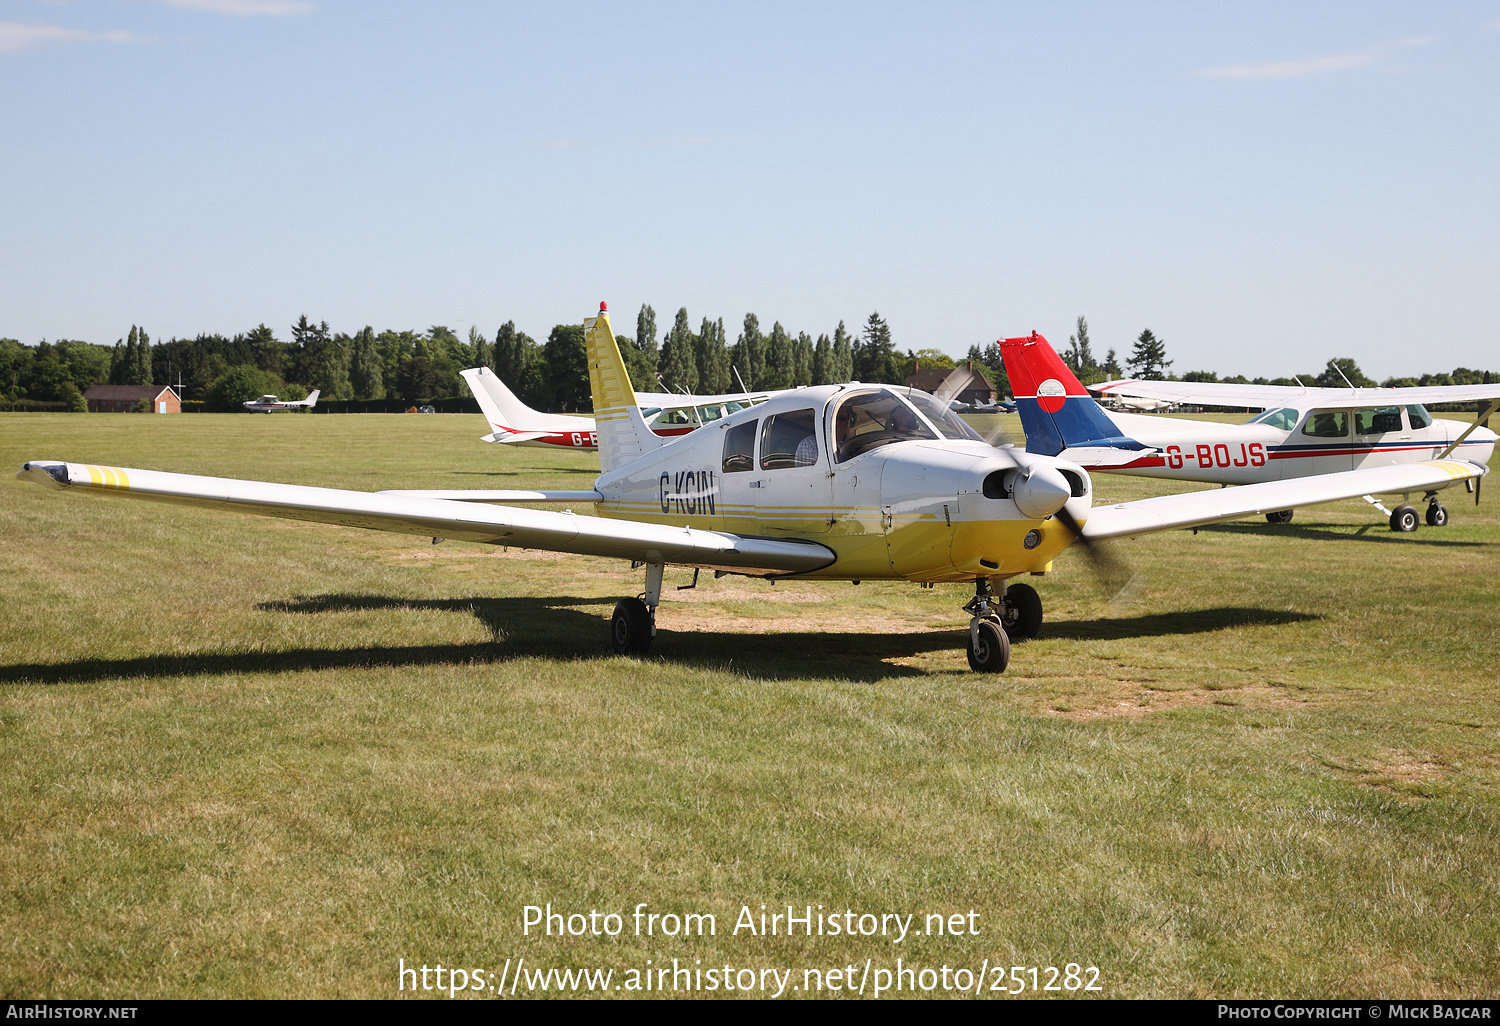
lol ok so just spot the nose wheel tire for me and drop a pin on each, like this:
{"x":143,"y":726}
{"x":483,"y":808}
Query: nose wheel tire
{"x":989,"y":648}
{"x":1021,"y":611}
{"x":1283,"y":516}
{"x":630,"y":628}
{"x":1404,"y":519}
{"x":1437,"y":515}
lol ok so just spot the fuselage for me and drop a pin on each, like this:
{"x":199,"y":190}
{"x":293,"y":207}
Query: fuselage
{"x":1290,"y":442}
{"x":898,"y":487}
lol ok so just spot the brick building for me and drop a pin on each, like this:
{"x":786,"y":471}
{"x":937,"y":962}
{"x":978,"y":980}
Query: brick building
{"x":122,"y":398}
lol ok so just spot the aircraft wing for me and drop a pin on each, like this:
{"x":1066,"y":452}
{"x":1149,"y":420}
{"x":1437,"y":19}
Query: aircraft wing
{"x":444,"y":518}
{"x":1194,"y":509}
{"x":494,"y":495}
{"x":1265,"y":397}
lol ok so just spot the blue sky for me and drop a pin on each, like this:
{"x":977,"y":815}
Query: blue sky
{"x":1264,"y":185}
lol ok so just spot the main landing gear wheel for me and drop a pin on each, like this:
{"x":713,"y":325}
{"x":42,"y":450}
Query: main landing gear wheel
{"x":1437,"y":515}
{"x":1021,"y":611}
{"x":989,"y":648}
{"x":1404,"y":518}
{"x":1283,"y":516}
{"x":630,"y":627}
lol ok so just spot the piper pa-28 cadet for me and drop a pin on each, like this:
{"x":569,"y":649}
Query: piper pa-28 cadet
{"x":270,"y":404}
{"x":515,"y":423}
{"x":835,"y":482}
{"x":1304,"y":432}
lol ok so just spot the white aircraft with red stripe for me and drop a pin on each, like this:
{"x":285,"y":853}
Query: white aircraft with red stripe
{"x":1302,"y":433}
{"x":668,"y":415}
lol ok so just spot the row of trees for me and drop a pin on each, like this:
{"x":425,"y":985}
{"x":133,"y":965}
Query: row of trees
{"x":415,"y":366}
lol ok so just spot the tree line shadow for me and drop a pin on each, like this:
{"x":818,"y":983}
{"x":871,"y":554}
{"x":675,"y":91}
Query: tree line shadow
{"x":569,"y":627}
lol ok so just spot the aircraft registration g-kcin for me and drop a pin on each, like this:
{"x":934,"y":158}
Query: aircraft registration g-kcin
{"x":1303,"y":433}
{"x":835,"y":482}
{"x":668,"y":415}
{"x":270,"y":404}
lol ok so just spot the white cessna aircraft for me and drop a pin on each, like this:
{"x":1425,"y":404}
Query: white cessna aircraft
{"x":1304,"y":432}
{"x":835,"y":482}
{"x":270,"y":404}
{"x":668,"y":415}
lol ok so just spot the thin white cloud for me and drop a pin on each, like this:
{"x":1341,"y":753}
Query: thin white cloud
{"x":243,"y":8}
{"x":1493,"y":23}
{"x":15,"y":37}
{"x":1333,"y":64}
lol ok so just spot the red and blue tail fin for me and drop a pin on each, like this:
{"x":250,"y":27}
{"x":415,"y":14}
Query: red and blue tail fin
{"x":1057,"y":412}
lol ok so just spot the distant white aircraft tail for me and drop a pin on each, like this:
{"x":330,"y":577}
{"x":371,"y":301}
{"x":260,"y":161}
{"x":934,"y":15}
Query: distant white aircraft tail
{"x":312,"y":400}
{"x":500,"y":405}
{"x":623,"y":434}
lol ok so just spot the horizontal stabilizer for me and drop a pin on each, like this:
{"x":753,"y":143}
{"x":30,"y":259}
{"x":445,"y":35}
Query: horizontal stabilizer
{"x":1104,"y":456}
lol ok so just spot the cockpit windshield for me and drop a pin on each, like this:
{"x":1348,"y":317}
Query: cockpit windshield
{"x":1281,"y":420}
{"x":944,"y":419}
{"x":866,"y":420}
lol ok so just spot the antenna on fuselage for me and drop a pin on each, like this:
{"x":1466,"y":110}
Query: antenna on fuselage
{"x":1340,"y":371}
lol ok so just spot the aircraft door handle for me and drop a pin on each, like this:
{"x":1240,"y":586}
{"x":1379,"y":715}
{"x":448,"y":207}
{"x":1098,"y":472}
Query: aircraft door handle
{"x":885,"y":518}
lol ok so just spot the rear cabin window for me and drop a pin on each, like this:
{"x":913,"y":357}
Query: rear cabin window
{"x":739,"y":448}
{"x":789,"y":440}
{"x":1419,"y":417}
{"x":1377,"y":421}
{"x":1327,"y":424}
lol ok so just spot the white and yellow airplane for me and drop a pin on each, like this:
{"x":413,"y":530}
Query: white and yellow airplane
{"x":270,"y":404}
{"x":1304,"y":432}
{"x":836,"y":482}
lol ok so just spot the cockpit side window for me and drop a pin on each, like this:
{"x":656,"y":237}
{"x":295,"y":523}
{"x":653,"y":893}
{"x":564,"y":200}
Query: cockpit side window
{"x":1377,"y":421}
{"x":868,"y":420}
{"x":789,"y":440}
{"x":739,"y":448}
{"x":1327,"y":424}
{"x":1281,"y":420}
{"x":1419,"y":417}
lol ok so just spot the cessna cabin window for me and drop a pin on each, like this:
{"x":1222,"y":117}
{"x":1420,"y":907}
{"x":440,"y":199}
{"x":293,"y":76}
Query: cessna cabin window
{"x":790,"y":440}
{"x":1281,"y":420}
{"x":868,"y":420}
{"x":1377,"y":421}
{"x":1327,"y":424}
{"x":1419,"y":417}
{"x":944,"y":419}
{"x":739,"y":448}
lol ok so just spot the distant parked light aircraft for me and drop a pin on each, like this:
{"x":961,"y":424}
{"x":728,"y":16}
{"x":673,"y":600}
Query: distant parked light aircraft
{"x":834,"y":482}
{"x":1304,"y":431}
{"x":270,"y":404}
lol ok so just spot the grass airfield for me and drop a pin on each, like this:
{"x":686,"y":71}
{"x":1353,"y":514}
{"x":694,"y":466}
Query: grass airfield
{"x":252,"y":757}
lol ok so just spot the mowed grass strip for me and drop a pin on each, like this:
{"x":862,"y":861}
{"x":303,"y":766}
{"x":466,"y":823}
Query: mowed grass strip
{"x":252,"y":757}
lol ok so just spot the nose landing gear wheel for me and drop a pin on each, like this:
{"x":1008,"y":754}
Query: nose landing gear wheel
{"x":630,"y":627}
{"x":1404,"y":518}
{"x":1021,"y":611}
{"x":989,"y":648}
{"x":1437,"y":515}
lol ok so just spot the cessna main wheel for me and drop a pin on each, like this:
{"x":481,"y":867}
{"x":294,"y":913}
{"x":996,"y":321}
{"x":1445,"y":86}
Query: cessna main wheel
{"x":1404,"y":518}
{"x":630,"y":627}
{"x":991,"y":653}
{"x":1281,"y":516}
{"x":1021,"y":611}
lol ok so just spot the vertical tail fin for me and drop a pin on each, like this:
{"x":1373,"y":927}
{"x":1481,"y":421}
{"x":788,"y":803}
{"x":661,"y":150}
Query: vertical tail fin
{"x":312,"y":400}
{"x":500,"y":405}
{"x":623,"y":434}
{"x":1057,"y":412}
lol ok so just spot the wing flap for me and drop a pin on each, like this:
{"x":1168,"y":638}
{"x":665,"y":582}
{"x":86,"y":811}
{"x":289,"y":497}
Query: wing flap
{"x":494,"y":495}
{"x":444,"y":518}
{"x":1194,"y":509}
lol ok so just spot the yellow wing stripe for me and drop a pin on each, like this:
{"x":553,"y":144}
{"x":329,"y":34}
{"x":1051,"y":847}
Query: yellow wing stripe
{"x":108,"y":477}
